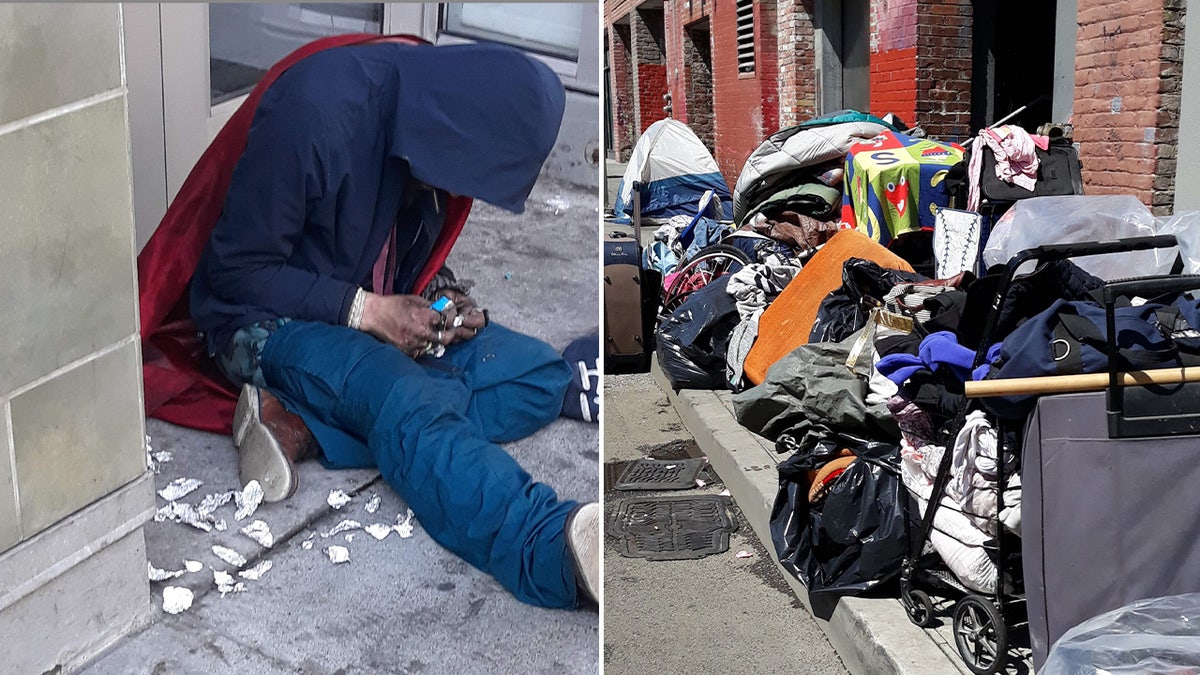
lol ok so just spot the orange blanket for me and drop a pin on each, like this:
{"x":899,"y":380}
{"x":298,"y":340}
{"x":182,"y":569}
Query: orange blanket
{"x":786,"y":323}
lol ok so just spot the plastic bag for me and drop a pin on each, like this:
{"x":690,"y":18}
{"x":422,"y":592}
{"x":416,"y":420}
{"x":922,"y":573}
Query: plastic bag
{"x":1081,"y":218}
{"x":1185,"y":225}
{"x":1159,"y":635}
{"x":693,"y":341}
{"x":855,"y":537}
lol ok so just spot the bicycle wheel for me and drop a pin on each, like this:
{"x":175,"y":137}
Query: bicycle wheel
{"x":697,"y":272}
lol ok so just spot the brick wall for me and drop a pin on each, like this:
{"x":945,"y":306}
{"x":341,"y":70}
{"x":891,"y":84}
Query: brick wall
{"x":649,"y":65}
{"x":1128,"y":69}
{"x":622,"y":92}
{"x":696,"y":106}
{"x":943,"y":96}
{"x":893,"y":83}
{"x":797,"y":61}
{"x":921,"y":63}
{"x":746,"y":104}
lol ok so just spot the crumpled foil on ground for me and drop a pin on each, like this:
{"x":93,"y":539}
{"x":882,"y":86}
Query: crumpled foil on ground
{"x":221,"y":525}
{"x":260,"y":532}
{"x":226,"y":583}
{"x":378,"y":530}
{"x":179,"y":488}
{"x":373,"y":504}
{"x":404,"y":525}
{"x":248,"y":500}
{"x":338,"y":554}
{"x":255,"y":573}
{"x":179,"y":512}
{"x":338,"y":498}
{"x":308,"y":542}
{"x":229,"y":556}
{"x":157,"y":574}
{"x":193,"y":566}
{"x":212,"y":502}
{"x":176,"y":599}
{"x":344,"y":526}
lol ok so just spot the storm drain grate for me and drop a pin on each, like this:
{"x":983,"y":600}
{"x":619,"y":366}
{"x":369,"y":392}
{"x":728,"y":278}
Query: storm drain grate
{"x":672,"y":528}
{"x":660,"y":474}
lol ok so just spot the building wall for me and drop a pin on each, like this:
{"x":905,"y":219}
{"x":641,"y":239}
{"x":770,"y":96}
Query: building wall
{"x":921,"y":64}
{"x":797,"y":61}
{"x":943,"y":96}
{"x":71,"y":425}
{"x":746,"y":105}
{"x":1127,"y":96}
{"x":1127,"y":93}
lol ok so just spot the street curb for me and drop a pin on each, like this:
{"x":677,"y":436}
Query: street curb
{"x":873,"y":636}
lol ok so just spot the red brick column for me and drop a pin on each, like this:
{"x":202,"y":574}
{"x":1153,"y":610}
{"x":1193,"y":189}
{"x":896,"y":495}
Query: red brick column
{"x":797,"y":62}
{"x":921,"y":64}
{"x":1128,"y":73}
{"x":621,"y":90}
{"x":944,"y":40}
{"x":649,"y":65}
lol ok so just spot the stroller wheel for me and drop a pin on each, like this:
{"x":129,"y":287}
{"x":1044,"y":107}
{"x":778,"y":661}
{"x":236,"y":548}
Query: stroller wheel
{"x":980,"y":635}
{"x":695,"y":273}
{"x":919,"y":607}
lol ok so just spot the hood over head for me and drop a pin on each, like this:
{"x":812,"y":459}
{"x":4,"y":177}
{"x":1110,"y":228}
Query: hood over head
{"x":476,"y":120}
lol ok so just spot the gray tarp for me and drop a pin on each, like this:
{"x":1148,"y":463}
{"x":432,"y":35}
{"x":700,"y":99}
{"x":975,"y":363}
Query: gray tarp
{"x":811,"y":392}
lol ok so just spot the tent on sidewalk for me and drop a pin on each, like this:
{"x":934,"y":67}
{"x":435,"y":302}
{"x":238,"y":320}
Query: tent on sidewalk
{"x":675,"y":170}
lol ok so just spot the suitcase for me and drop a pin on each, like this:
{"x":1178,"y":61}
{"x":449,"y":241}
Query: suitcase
{"x":1109,"y":500}
{"x":1059,"y":173}
{"x":630,"y":299}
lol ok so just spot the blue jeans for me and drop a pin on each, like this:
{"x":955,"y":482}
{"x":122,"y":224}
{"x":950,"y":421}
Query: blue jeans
{"x":430,"y":426}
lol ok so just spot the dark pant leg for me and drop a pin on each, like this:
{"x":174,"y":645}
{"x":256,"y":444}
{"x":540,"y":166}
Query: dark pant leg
{"x":516,"y":382}
{"x":470,"y":495}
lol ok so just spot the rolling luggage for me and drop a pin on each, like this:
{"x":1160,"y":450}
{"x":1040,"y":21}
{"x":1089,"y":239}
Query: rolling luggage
{"x":630,"y":298}
{"x":1111,"y":510}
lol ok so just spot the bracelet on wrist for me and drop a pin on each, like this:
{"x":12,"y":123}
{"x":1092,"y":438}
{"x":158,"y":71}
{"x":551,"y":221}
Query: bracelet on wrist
{"x":355,"y":317}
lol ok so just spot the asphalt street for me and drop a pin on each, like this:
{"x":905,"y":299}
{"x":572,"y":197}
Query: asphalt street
{"x":720,"y":614}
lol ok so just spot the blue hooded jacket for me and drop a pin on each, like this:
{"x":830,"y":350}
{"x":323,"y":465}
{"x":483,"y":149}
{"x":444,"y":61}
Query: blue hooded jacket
{"x":329,"y":167}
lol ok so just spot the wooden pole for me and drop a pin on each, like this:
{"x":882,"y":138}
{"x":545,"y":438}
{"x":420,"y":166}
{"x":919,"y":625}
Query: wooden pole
{"x":1061,"y":384}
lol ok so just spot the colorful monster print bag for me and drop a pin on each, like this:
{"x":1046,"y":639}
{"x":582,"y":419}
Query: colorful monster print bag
{"x":893,"y":184}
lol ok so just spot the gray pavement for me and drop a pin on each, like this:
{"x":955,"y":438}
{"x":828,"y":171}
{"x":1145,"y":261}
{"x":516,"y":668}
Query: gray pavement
{"x":400,"y":605}
{"x":721,"y":613}
{"x":871,"y":634}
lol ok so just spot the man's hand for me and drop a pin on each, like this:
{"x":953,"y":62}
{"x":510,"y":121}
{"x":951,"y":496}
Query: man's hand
{"x":407,"y":322}
{"x":472,"y":317}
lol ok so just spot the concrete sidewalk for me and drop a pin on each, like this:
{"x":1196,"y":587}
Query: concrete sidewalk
{"x":872,"y":635}
{"x":400,"y":605}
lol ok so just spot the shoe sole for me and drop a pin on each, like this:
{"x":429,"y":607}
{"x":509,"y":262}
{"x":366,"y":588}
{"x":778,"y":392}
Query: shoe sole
{"x":260,"y":456}
{"x":583,"y":538}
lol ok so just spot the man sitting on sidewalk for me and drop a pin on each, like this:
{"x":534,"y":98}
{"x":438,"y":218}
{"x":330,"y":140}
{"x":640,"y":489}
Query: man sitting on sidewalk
{"x":319,"y":293}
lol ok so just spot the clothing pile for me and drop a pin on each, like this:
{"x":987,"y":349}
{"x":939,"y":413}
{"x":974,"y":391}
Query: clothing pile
{"x":851,"y":348}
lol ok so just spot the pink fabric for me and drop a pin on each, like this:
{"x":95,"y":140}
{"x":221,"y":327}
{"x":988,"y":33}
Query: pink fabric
{"x":1015,"y":151}
{"x":383,"y":274}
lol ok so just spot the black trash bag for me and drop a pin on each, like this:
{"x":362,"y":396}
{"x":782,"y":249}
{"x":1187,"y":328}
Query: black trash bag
{"x":853,"y":538}
{"x":693,"y":341}
{"x":845,"y":310}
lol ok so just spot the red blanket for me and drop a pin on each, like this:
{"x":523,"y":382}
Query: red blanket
{"x":182,"y":385}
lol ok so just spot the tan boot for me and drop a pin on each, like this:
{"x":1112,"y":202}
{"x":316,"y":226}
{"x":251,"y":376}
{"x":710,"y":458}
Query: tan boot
{"x":269,"y":440}
{"x":583,"y":542}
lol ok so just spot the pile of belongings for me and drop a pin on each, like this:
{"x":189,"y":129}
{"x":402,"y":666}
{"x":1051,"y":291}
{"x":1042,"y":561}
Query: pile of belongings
{"x":860,"y":361}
